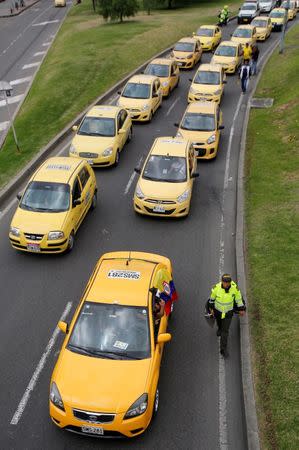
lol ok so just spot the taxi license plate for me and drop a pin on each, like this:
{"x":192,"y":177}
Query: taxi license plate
{"x":33,"y":247}
{"x":245,"y":20}
{"x":93,"y":430}
{"x":179,"y":63}
{"x":159,"y":209}
{"x":90,"y":162}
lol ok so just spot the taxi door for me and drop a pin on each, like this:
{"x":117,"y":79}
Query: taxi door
{"x":198,"y":52}
{"x":218,"y":36}
{"x":86,"y":190}
{"x":192,"y":165}
{"x":174,"y":75}
{"x":76,"y":211}
{"x":156,"y":94}
{"x":239,"y":56}
{"x":254,"y":37}
{"x":121,"y":125}
{"x":269,"y":27}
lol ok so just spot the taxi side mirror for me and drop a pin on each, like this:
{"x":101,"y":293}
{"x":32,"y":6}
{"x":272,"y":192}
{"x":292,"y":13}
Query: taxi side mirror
{"x":163,"y":337}
{"x":221,"y":127}
{"x":19,"y":195}
{"x":119,"y":92}
{"x":195,"y":175}
{"x":121,"y":131}
{"x":155,"y":94}
{"x":75,"y":128}
{"x":190,"y":79}
{"x":176,"y":125}
{"x":77,"y":202}
{"x":137,"y":170}
{"x":63,"y":326}
{"x":224,"y":82}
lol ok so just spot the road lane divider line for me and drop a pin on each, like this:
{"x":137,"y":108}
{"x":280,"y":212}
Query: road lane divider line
{"x":32,"y":383}
{"x":46,"y":44}
{"x":20,"y":81}
{"x":131,"y":179}
{"x":222,"y":401}
{"x":172,"y":106}
{"x":11,"y":100}
{"x":42,"y":24}
{"x":40,"y":53}
{"x":28,"y":66}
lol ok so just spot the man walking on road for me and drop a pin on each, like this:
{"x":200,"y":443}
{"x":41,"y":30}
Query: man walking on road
{"x":224,"y":299}
{"x":244,"y":76}
{"x":254,"y":58}
{"x":247,"y":52}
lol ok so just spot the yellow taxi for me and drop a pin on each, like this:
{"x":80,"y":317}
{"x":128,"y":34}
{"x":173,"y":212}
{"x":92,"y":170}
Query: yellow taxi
{"x":207,"y":84}
{"x":201,"y":124}
{"x":53,"y":206}
{"x":209,"y":36}
{"x":292,"y":11}
{"x":229,"y":54}
{"x":263,"y":27}
{"x":244,"y":34}
{"x":102,"y":135}
{"x":141,"y":97}
{"x":105,"y":382}
{"x":278,"y":18}
{"x":164,"y":188}
{"x":60,"y":2}
{"x":187,"y":52}
{"x":168,"y":72}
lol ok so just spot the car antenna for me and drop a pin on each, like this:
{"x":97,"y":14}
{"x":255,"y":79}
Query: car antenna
{"x":129,"y":258}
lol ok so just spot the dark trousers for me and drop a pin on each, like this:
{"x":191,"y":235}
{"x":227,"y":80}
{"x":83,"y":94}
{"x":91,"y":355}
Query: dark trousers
{"x":223,"y":326}
{"x":244,"y":84}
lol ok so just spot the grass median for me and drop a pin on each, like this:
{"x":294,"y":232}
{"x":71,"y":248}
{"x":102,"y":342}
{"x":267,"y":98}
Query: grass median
{"x":272,"y":213}
{"x":87,"y":57}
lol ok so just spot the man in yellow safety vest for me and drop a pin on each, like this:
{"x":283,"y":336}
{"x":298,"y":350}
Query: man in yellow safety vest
{"x":225,"y":298}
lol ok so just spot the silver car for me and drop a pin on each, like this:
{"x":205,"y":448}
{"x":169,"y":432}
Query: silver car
{"x":248,"y":12}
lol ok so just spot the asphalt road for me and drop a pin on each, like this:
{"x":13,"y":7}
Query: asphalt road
{"x":35,"y":289}
{"x":24,"y":40}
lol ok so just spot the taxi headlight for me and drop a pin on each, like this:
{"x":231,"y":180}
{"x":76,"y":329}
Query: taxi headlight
{"x":165,"y":83}
{"x":53,"y":235}
{"x":139,"y":194}
{"x":108,"y":151}
{"x":179,"y":135}
{"x":182,"y":198}
{"x":211,"y":139}
{"x":73,"y":150}
{"x":218,"y":92}
{"x":209,"y":42}
{"x":145,"y":107}
{"x":192,"y":90}
{"x":55,"y":396}
{"x":138,"y":407}
{"x":189,"y":56}
{"x":15,"y":231}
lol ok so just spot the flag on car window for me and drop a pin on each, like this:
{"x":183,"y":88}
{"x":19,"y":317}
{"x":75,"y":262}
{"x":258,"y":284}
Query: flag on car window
{"x":166,"y":290}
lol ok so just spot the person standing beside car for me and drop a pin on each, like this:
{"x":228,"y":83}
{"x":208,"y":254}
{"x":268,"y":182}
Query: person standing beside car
{"x":254,"y":58}
{"x":247,"y":52}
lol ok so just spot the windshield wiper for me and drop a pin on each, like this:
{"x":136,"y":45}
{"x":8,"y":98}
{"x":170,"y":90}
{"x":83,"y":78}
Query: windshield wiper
{"x":145,"y":177}
{"x":79,"y":349}
{"x":91,"y":351}
{"x":122,"y":354}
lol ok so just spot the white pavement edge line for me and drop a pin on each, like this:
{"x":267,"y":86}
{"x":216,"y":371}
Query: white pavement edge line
{"x":30,"y":65}
{"x":131,"y":179}
{"x":20,"y":81}
{"x":223,"y":434}
{"x":252,"y":429}
{"x":172,"y":106}
{"x":32,"y":383}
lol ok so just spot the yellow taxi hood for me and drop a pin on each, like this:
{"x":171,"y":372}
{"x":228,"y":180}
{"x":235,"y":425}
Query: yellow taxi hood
{"x":205,"y":39}
{"x":38,"y":222}
{"x":178,"y":54}
{"x":92,"y":143}
{"x":97,"y":384}
{"x":133,"y":102}
{"x":205,"y":88}
{"x":196,"y":136}
{"x":162,"y":190}
{"x":223,"y":59}
{"x":241,"y":40}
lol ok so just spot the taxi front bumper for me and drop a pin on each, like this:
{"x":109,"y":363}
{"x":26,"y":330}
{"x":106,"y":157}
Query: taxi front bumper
{"x":185,"y":63}
{"x":118,"y":427}
{"x":38,"y":244}
{"x":94,"y":159}
{"x":205,"y":151}
{"x":207,"y":97}
{"x":152,"y":207}
{"x":138,"y":115}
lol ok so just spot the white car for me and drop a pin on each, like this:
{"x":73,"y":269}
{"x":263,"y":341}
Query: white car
{"x":248,"y":12}
{"x":267,"y":5}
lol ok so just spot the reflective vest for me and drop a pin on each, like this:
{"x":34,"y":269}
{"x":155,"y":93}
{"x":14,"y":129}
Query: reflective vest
{"x":224,"y":301}
{"x":247,"y":52}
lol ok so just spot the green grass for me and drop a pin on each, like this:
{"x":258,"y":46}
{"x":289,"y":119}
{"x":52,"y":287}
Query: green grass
{"x":87,"y":57}
{"x":272,"y":210}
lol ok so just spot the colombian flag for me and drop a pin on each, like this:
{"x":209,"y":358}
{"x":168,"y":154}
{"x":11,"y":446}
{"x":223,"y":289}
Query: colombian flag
{"x":166,"y":290}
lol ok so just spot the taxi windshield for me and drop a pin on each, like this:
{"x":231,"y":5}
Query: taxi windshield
{"x":205,"y":32}
{"x":159,"y":70}
{"x":226,"y":50}
{"x":259,"y":23}
{"x":184,"y":47}
{"x":198,"y":122}
{"x":242,"y":33}
{"x":46,"y":197}
{"x":111,"y":331}
{"x":248,"y":7}
{"x":137,"y":90}
{"x":207,"y":77}
{"x":277,"y":14}
{"x":97,"y":126}
{"x":165,"y":168}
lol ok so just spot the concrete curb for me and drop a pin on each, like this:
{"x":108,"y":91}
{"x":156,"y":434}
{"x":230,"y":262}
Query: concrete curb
{"x":252,"y":430}
{"x":19,"y":11}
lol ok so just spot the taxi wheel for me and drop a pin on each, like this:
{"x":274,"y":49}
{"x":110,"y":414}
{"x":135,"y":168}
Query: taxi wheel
{"x":156,"y":403}
{"x":116,"y":158}
{"x":71,"y":242}
{"x":130,"y":135}
{"x":94,"y":201}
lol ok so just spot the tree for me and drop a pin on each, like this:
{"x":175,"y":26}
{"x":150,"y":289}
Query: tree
{"x":148,"y":5}
{"x":118,"y":9}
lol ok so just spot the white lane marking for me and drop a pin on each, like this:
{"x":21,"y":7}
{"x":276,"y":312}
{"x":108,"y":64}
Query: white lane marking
{"x":20,"y":81}
{"x":172,"y":106}
{"x":223,"y":434}
{"x":25,"y":29}
{"x":28,"y":66}
{"x":41,"y":24}
{"x":131,"y":179}
{"x":40,"y":53}
{"x":3,"y":125}
{"x":46,"y":44}
{"x":12,"y":100}
{"x":32,"y":383}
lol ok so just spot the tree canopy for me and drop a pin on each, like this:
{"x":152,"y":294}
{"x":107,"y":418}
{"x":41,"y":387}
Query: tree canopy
{"x":118,"y":9}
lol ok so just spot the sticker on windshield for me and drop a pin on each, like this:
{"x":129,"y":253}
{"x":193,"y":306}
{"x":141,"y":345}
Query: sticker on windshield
{"x":124,"y":274}
{"x":121,"y":345}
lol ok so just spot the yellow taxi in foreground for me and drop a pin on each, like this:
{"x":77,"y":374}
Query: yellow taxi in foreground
{"x":187,"y":52}
{"x":244,"y":34}
{"x":207,"y":84}
{"x":209,"y":36}
{"x":53,"y":205}
{"x":141,"y":97}
{"x":278,"y":18}
{"x":201,"y":124}
{"x":229,"y":54}
{"x":263,"y":27}
{"x":105,"y":382}
{"x":102,"y":135}
{"x":168,"y":72}
{"x":292,"y":11}
{"x":165,"y":184}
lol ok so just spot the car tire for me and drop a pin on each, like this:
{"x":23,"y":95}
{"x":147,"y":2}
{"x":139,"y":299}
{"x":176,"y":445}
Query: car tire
{"x":156,"y":404}
{"x":94,"y":200}
{"x":116,"y":161}
{"x":71,"y":242}
{"x":130,"y":135}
